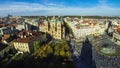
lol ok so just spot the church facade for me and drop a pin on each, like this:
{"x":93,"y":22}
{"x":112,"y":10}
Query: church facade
{"x":54,"y":26}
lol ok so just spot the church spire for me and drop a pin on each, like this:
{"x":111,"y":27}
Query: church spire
{"x":81,"y":19}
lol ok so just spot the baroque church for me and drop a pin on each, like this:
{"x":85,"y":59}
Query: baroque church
{"x":54,"y":26}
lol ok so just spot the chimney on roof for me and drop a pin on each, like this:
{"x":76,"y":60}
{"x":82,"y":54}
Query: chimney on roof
{"x":30,"y":33}
{"x":24,"y":36}
{"x":21,"y":36}
{"x":18,"y":35}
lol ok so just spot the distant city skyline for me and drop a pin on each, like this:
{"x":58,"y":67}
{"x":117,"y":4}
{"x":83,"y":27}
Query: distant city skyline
{"x":60,"y":7}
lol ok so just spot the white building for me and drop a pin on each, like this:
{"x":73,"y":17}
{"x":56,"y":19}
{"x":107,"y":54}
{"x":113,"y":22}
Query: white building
{"x":26,"y":39}
{"x":87,"y":28}
{"x":20,"y":26}
{"x":116,"y":38}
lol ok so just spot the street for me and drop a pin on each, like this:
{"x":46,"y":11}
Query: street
{"x":82,"y":54}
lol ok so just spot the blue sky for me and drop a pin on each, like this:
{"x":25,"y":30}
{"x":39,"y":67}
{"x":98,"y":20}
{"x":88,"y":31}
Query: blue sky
{"x":60,"y":7}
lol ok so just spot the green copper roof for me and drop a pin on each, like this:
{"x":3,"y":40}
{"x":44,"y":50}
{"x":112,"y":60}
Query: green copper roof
{"x":53,"y":20}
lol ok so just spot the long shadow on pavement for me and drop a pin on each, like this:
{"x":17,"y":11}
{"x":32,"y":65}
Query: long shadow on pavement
{"x":86,"y":55}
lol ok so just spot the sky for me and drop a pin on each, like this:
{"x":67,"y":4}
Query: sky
{"x":60,"y":7}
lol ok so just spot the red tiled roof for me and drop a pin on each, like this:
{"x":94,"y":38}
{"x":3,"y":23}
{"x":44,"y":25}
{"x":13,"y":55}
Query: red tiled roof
{"x":15,"y":24}
{"x":118,"y":29}
{"x":2,"y":25}
{"x":6,"y":36}
{"x":28,"y":38}
{"x":20,"y":33}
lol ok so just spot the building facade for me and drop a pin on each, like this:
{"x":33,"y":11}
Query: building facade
{"x":55,"y":27}
{"x":25,"y":41}
{"x":84,"y":27}
{"x":116,"y":36}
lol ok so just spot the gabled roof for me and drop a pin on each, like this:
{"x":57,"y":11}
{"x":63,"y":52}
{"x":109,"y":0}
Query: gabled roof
{"x":27,"y":37}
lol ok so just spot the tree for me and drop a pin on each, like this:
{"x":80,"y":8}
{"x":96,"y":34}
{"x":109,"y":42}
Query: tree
{"x":62,"y":53}
{"x":60,"y":48}
{"x":36,"y":45}
{"x":45,"y":51}
{"x":49,"y":49}
{"x":56,"y":50}
{"x":68,"y":55}
{"x":42,"y":51}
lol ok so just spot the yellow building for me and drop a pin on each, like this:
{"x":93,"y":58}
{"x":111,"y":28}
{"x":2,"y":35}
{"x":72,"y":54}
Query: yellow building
{"x":25,"y":41}
{"x":55,"y":27}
